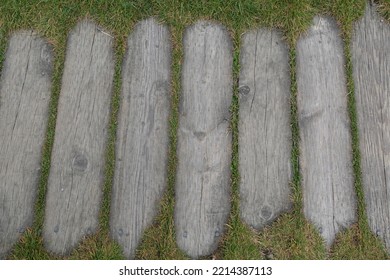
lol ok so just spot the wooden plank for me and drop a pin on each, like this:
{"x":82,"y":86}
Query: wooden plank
{"x":77,"y":163}
{"x":204,"y":139}
{"x":142,"y":137}
{"x":24,"y":102}
{"x":264,"y":125}
{"x":326,"y":151}
{"x":371,"y":73}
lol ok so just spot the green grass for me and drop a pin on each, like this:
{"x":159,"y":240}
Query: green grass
{"x":384,"y":9}
{"x":289,"y":237}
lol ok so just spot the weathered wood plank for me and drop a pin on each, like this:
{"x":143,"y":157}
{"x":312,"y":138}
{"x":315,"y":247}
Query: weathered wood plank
{"x":204,"y":139}
{"x":264,"y":125}
{"x":326,"y":151}
{"x":76,"y":173}
{"x":24,"y":101}
{"x":371,"y":73}
{"x":142,"y":137}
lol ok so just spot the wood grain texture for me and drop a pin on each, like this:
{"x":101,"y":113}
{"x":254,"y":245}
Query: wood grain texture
{"x":77,"y":163}
{"x":264,"y":126}
{"x":371,"y":73}
{"x":142,"y":136}
{"x":204,"y":139}
{"x":24,"y":101}
{"x":326,"y":151}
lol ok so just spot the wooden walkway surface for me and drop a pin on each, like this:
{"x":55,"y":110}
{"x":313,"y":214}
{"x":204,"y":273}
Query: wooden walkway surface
{"x":204,"y":148}
{"x":204,"y":139}
{"x":325,"y":140}
{"x":264,"y":126}
{"x":371,"y":74}
{"x":142,"y":137}
{"x":77,"y":163}
{"x":25,"y":89}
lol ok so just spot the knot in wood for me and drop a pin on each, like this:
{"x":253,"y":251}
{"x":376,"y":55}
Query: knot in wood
{"x":266,"y":213}
{"x":80,"y":163}
{"x":244,"y":90}
{"x":200,"y":135}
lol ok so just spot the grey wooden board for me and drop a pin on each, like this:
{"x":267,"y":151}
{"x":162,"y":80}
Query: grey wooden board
{"x":142,"y":136}
{"x":204,"y":139}
{"x":264,"y":126}
{"x":77,"y":162}
{"x":325,"y":141}
{"x":24,"y":102}
{"x":371,"y":73}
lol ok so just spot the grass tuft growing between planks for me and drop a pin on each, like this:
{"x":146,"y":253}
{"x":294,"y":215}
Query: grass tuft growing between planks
{"x":239,"y":241}
{"x":357,"y":243}
{"x":384,"y":9}
{"x":290,"y":236}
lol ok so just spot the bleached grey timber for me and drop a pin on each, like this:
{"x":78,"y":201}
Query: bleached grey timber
{"x":325,"y":140}
{"x":77,"y":162}
{"x":371,"y":74}
{"x":204,"y":139}
{"x":24,"y":102}
{"x":264,"y":125}
{"x":142,"y":137}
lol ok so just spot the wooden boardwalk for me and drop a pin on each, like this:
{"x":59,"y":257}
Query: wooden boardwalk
{"x":204,"y":139}
{"x":24,"y":95}
{"x":265,"y":134}
{"x":142,"y":137}
{"x":371,"y":73}
{"x":326,"y":148}
{"x":204,"y":148}
{"x":76,"y":173}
